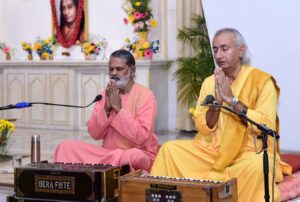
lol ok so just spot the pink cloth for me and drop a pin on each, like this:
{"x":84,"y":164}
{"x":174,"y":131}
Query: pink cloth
{"x":128,"y":136}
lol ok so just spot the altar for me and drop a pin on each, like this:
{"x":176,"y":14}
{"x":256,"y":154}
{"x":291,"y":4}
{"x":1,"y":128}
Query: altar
{"x":72,"y":83}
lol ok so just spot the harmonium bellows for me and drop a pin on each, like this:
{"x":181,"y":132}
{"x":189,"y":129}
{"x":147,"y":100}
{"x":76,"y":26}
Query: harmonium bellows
{"x":68,"y":182}
{"x":136,"y":187}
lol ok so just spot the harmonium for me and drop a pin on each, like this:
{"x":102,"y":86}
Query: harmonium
{"x":137,"y":187}
{"x":67,"y":182}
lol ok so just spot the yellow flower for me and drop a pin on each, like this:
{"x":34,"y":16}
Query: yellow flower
{"x":27,"y":46}
{"x":146,"y":45}
{"x":138,"y":3}
{"x":90,"y":49}
{"x":37,"y":46}
{"x":131,"y":18}
{"x":153,"y":23}
{"x":192,"y":110}
{"x":6,"y":125}
{"x":127,"y":40}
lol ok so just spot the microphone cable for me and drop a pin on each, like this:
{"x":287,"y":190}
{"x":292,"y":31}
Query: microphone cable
{"x":29,"y":104}
{"x":97,"y":98}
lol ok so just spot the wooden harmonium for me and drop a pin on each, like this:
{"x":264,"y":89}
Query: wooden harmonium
{"x":75,"y":182}
{"x":136,"y":187}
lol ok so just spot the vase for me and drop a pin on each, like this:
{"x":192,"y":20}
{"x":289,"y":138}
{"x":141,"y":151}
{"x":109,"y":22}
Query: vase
{"x":91,"y":56}
{"x":8,"y":56}
{"x":29,"y":57}
{"x":138,"y":53}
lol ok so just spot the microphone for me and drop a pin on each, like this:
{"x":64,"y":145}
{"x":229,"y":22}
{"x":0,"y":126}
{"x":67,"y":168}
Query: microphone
{"x":210,"y":99}
{"x":29,"y":104}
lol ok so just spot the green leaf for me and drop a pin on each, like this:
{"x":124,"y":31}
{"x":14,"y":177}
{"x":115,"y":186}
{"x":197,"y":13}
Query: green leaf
{"x":193,"y":70}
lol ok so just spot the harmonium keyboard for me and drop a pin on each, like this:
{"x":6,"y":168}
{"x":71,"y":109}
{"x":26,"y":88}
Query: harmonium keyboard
{"x":68,"y":182}
{"x":136,"y":187}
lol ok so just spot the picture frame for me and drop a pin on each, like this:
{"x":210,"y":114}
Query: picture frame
{"x":70,"y":24}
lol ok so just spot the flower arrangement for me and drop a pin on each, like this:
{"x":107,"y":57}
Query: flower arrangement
{"x":7,"y":50}
{"x":94,"y":46}
{"x":89,"y":48}
{"x":147,"y":49}
{"x":139,"y":15}
{"x":28,"y":48}
{"x":5,"y":128}
{"x":44,"y":48}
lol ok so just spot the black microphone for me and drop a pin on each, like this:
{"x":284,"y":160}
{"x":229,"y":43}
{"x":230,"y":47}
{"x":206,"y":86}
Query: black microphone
{"x":29,"y":104}
{"x":210,"y":99}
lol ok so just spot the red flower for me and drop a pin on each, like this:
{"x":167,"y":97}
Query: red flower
{"x":148,"y":54}
{"x":137,"y":15}
{"x":125,"y":20}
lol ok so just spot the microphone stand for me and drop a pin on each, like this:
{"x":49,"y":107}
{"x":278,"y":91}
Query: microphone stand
{"x":265,"y":131}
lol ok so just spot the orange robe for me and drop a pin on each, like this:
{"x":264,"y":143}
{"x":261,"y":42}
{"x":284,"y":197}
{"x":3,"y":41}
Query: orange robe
{"x":128,"y":136}
{"x":196,"y":158}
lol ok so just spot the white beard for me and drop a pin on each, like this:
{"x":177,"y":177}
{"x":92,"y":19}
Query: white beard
{"x":123,"y":81}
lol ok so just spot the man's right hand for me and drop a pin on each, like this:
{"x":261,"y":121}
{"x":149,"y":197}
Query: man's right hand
{"x":218,"y":96}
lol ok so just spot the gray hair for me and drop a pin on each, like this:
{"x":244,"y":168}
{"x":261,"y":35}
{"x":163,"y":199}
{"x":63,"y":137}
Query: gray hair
{"x":239,"y":41}
{"x":126,"y":55}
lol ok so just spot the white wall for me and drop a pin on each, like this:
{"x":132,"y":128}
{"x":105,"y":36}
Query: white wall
{"x":24,"y":20}
{"x":271,"y":28}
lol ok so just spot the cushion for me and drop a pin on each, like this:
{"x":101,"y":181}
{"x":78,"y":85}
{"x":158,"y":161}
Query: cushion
{"x":290,"y":187}
{"x":293,"y":160}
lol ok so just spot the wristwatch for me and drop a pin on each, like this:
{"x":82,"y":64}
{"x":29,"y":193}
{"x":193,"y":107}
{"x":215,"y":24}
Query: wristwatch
{"x":234,"y":101}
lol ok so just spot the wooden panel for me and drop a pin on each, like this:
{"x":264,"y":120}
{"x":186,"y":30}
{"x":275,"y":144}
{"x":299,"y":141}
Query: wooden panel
{"x":90,"y":87}
{"x":59,"y":94}
{"x":15,"y":89}
{"x":37,"y":92}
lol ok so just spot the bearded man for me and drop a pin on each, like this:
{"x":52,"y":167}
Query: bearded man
{"x":124,"y":119}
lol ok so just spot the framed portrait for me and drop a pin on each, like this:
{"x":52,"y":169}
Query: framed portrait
{"x":70,"y":21}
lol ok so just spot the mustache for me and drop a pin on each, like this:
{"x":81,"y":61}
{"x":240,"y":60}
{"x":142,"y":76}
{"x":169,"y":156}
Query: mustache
{"x":115,"y":78}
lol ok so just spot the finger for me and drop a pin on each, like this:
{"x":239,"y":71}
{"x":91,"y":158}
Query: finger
{"x":113,"y":83}
{"x":108,"y":86}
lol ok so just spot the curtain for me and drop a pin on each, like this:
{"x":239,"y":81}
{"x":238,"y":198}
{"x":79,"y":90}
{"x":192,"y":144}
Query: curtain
{"x":186,"y":9}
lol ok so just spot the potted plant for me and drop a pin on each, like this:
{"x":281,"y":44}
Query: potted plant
{"x":194,"y":69}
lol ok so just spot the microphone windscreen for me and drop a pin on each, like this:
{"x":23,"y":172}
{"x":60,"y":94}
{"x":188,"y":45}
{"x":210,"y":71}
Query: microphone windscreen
{"x":97,"y":98}
{"x":210,"y":99}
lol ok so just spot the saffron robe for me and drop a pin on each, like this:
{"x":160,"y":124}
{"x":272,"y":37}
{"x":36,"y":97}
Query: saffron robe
{"x":128,"y":136}
{"x":202,"y":152}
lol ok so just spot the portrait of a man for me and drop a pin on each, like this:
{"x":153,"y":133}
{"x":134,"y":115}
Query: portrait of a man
{"x":69,"y":17}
